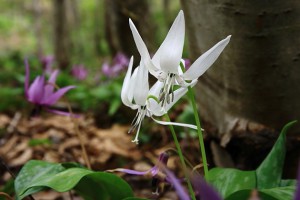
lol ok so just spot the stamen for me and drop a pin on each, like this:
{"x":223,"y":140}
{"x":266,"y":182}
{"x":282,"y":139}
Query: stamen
{"x":137,"y":122}
{"x":166,"y":95}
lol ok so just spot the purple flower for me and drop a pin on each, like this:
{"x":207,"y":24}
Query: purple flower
{"x":164,"y":176}
{"x":203,"y":189}
{"x":163,"y":159}
{"x":79,"y":72}
{"x":47,"y":62}
{"x":119,"y":64}
{"x":177,"y":185}
{"x":121,"y":59}
{"x":42,"y":93}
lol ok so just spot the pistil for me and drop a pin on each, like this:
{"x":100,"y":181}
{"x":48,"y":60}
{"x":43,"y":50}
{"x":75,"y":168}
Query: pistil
{"x":137,"y":122}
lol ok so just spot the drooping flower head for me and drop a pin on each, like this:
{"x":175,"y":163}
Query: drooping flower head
{"x":137,"y":95}
{"x":42,"y":93}
{"x":165,"y":64}
{"x":79,"y":72}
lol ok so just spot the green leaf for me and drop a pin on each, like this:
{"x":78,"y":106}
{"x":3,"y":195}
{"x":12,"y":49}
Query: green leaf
{"x":288,"y":182}
{"x":134,"y":198}
{"x":114,"y":106}
{"x":270,"y":171}
{"x":241,"y":195}
{"x":36,"y":142}
{"x":38,"y":175}
{"x":32,"y":172}
{"x":228,"y":181}
{"x":279,"y":193}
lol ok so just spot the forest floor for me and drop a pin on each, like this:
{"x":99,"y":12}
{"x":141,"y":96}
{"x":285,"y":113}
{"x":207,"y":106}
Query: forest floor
{"x":53,"y":138}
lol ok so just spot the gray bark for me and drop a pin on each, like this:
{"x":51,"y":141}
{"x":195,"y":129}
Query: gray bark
{"x":118,"y":34}
{"x":62,"y":39}
{"x":256,"y":79}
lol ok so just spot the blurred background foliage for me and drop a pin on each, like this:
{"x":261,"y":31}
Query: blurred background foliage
{"x":65,"y":34}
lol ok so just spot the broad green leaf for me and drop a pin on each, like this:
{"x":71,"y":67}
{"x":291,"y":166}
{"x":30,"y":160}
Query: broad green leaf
{"x":270,"y":171}
{"x":32,"y":172}
{"x":288,"y":182}
{"x":228,"y":181}
{"x":278,"y":193}
{"x":38,"y":175}
{"x":240,"y":195}
{"x":134,"y":198}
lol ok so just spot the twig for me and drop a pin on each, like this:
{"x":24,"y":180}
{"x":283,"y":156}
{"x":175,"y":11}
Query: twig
{"x":6,"y":167}
{"x":14,"y":122}
{"x":6,"y":196}
{"x":78,"y":133}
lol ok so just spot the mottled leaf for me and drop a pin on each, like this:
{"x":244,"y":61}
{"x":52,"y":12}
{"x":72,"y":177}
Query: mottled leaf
{"x":228,"y":181}
{"x":38,"y":175}
{"x":270,"y":171}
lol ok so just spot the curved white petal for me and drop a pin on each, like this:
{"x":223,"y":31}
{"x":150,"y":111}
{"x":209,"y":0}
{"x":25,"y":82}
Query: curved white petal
{"x":169,"y":53}
{"x":206,"y":60}
{"x":142,"y":49}
{"x":125,"y":92}
{"x":155,"y":89}
{"x":175,"y":124}
{"x":154,"y":108}
{"x":141,"y":85}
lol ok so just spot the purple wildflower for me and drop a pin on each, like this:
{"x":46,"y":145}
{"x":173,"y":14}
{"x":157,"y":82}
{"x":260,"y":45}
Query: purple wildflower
{"x":119,"y":64}
{"x":163,"y":158}
{"x":203,"y":189}
{"x":157,"y":177}
{"x":47,"y":63}
{"x":79,"y":72}
{"x":177,"y":185}
{"x":121,"y":59}
{"x":42,"y":93}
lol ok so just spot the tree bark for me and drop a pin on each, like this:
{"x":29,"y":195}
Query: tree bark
{"x":256,"y":79}
{"x":62,"y":39}
{"x":118,"y":34}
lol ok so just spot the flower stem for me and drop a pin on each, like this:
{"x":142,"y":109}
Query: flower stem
{"x":181,"y":159}
{"x":199,"y":130}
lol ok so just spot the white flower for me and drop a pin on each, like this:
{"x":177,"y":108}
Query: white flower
{"x":165,"y":64}
{"x":137,"y":95}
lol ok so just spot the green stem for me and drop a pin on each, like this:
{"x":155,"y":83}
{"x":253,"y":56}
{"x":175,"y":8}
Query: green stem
{"x":199,"y":130}
{"x":181,"y":159}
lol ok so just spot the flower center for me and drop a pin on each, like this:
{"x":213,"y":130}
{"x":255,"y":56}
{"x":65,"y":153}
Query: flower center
{"x":137,"y":122}
{"x":167,"y":93}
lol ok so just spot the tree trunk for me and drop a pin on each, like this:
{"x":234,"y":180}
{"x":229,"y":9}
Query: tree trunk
{"x":255,"y":82}
{"x":257,"y":76}
{"x":62,"y":39}
{"x":118,"y":34}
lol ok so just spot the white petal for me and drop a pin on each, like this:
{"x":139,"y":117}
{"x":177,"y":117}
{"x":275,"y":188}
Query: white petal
{"x":142,"y":49}
{"x":155,"y":108}
{"x":169,"y":53}
{"x":175,"y":124}
{"x":126,"y":98}
{"x":155,"y":89}
{"x":205,"y":60}
{"x":141,"y":85}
